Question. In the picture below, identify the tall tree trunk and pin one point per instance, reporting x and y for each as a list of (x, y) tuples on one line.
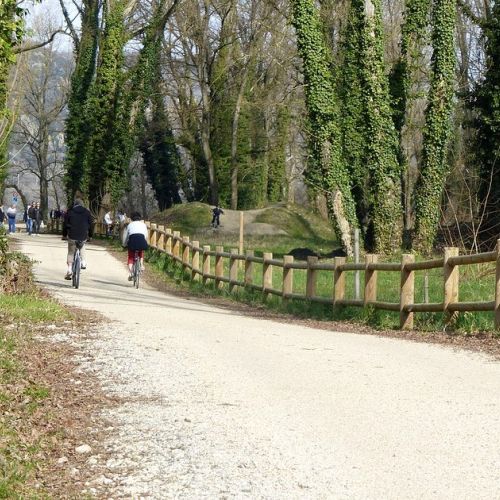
[(438, 126), (327, 174)]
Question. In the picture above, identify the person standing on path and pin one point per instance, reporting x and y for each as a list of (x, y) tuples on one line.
[(108, 220), (11, 218), (30, 218), (2, 216), (38, 218), (78, 226)]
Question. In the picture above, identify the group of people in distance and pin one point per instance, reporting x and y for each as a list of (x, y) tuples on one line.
[(79, 226), (32, 217)]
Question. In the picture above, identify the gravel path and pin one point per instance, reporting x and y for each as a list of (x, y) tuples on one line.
[(217, 405)]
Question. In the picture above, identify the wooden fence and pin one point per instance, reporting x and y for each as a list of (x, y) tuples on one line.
[(196, 260)]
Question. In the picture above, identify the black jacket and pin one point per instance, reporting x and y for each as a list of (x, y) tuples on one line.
[(78, 224)]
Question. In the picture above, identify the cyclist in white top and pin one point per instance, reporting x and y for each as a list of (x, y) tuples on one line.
[(135, 238)]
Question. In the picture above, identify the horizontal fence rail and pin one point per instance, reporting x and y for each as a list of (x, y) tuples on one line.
[(179, 249), (196, 260)]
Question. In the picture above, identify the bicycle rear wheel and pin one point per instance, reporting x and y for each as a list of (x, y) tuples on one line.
[(76, 269), (137, 273)]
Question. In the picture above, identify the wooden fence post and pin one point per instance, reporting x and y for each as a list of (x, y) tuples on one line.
[(497, 289), (206, 264), (176, 245), (168, 242), (267, 274), (185, 253), (370, 279), (451, 278), (311, 277), (407, 292), (195, 264), (153, 235), (287, 277), (338, 280), (249, 268), (219, 267), (160, 243), (233, 269)]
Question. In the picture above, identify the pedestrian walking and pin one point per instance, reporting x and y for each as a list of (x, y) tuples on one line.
[(11, 218)]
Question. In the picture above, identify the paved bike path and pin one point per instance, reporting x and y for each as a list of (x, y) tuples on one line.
[(218, 405)]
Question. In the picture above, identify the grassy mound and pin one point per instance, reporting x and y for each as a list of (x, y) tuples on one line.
[(294, 227)]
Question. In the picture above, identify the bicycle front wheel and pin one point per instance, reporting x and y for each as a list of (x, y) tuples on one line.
[(76, 269)]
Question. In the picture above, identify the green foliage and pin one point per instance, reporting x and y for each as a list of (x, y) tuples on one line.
[(438, 126), (327, 171), (162, 161), (487, 106), (11, 34), (369, 138), (77, 131), (109, 147)]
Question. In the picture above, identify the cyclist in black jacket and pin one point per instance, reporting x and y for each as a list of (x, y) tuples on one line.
[(78, 226)]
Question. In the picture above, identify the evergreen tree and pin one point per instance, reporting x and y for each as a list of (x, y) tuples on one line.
[(77, 130), (487, 105), (162, 161)]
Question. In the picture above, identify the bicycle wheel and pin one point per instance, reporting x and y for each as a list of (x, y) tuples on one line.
[(76, 269), (137, 272)]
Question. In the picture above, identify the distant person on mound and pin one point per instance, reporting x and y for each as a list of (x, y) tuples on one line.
[(216, 213), (135, 238)]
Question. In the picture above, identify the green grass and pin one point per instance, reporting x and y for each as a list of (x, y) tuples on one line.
[(303, 228), (31, 307), (20, 398), (477, 285)]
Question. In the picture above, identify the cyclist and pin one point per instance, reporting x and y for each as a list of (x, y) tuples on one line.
[(135, 238), (78, 226), (216, 213)]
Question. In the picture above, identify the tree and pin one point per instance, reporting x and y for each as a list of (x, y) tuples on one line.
[(44, 76), (487, 106), (77, 131), (438, 126), (327, 173), (11, 34)]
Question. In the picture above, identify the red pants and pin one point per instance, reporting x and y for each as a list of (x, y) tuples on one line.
[(131, 255)]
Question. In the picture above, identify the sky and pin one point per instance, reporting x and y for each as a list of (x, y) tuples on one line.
[(50, 9)]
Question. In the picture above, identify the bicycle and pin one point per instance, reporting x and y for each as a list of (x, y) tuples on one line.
[(136, 269), (77, 264)]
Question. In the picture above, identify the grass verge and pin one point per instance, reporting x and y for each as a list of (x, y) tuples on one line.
[(465, 323)]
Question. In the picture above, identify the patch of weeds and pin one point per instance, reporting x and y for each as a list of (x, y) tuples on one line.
[(31, 307)]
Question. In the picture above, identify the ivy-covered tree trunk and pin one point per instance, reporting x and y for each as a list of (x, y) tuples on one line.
[(370, 144), (327, 172), (105, 170), (382, 145), (77, 131), (487, 104), (409, 89), (438, 126)]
